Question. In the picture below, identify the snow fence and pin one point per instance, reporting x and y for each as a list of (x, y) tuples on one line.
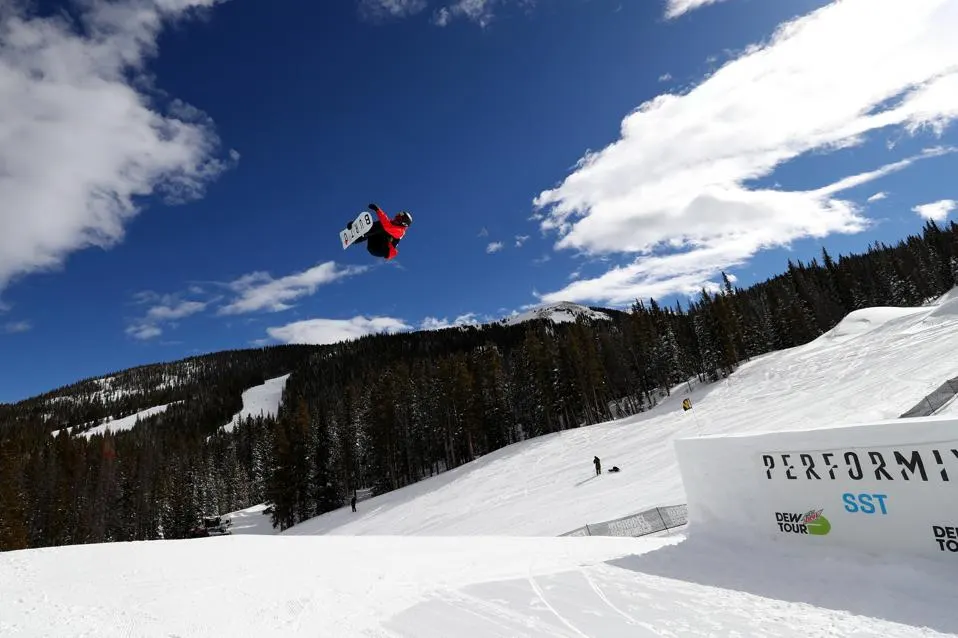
[(658, 519), (934, 401), (884, 487)]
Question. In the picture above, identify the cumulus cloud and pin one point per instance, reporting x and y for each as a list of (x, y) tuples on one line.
[(328, 331), (163, 309), (675, 8), (677, 189), (494, 247), (878, 196), (81, 135), (936, 211), (665, 77), (521, 239), (258, 291)]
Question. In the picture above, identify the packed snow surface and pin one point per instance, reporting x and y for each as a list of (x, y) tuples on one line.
[(260, 400), (252, 520), (455, 555), (483, 587)]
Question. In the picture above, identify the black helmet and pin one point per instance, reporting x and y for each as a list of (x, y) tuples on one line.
[(403, 217)]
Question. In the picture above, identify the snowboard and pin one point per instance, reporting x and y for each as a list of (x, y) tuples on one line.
[(360, 226)]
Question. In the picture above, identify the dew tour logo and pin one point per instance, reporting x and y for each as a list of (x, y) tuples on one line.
[(946, 537), (811, 522), (926, 465)]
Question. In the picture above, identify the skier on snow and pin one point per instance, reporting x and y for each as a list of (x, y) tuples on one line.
[(385, 234)]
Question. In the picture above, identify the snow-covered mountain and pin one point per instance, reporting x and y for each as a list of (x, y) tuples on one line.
[(473, 552), (559, 312)]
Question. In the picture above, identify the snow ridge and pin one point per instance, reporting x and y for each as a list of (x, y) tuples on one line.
[(559, 312)]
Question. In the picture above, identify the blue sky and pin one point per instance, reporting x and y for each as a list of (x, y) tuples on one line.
[(173, 181)]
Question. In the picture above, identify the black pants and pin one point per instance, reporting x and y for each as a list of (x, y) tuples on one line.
[(377, 241)]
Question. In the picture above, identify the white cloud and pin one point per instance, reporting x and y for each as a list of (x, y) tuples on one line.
[(478, 11), (165, 309), (15, 327), (937, 211), (80, 135), (144, 331), (327, 331), (432, 323), (878, 196), (822, 82), (675, 8), (665, 77), (864, 178), (494, 247), (379, 9), (521, 239), (258, 291)]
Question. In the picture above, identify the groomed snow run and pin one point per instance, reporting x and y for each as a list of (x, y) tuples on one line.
[(260, 400), (119, 425)]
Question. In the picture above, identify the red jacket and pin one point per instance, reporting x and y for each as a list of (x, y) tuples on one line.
[(393, 230)]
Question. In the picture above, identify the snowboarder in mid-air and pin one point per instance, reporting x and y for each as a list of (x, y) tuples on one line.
[(385, 234)]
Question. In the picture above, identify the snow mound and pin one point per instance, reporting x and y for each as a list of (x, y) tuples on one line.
[(951, 295), (560, 312), (944, 312), (860, 322), (260, 400)]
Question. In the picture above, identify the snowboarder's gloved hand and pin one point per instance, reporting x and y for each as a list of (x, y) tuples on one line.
[(374, 207)]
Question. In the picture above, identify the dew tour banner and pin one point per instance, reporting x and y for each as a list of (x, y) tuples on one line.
[(885, 487)]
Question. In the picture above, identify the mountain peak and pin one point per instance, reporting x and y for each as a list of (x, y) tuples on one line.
[(558, 312)]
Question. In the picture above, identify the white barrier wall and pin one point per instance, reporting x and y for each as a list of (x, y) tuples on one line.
[(890, 486)]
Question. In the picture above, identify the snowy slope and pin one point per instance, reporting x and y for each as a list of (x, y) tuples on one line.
[(114, 388), (119, 425), (251, 520), (560, 312), (446, 557), (874, 365), (260, 400)]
